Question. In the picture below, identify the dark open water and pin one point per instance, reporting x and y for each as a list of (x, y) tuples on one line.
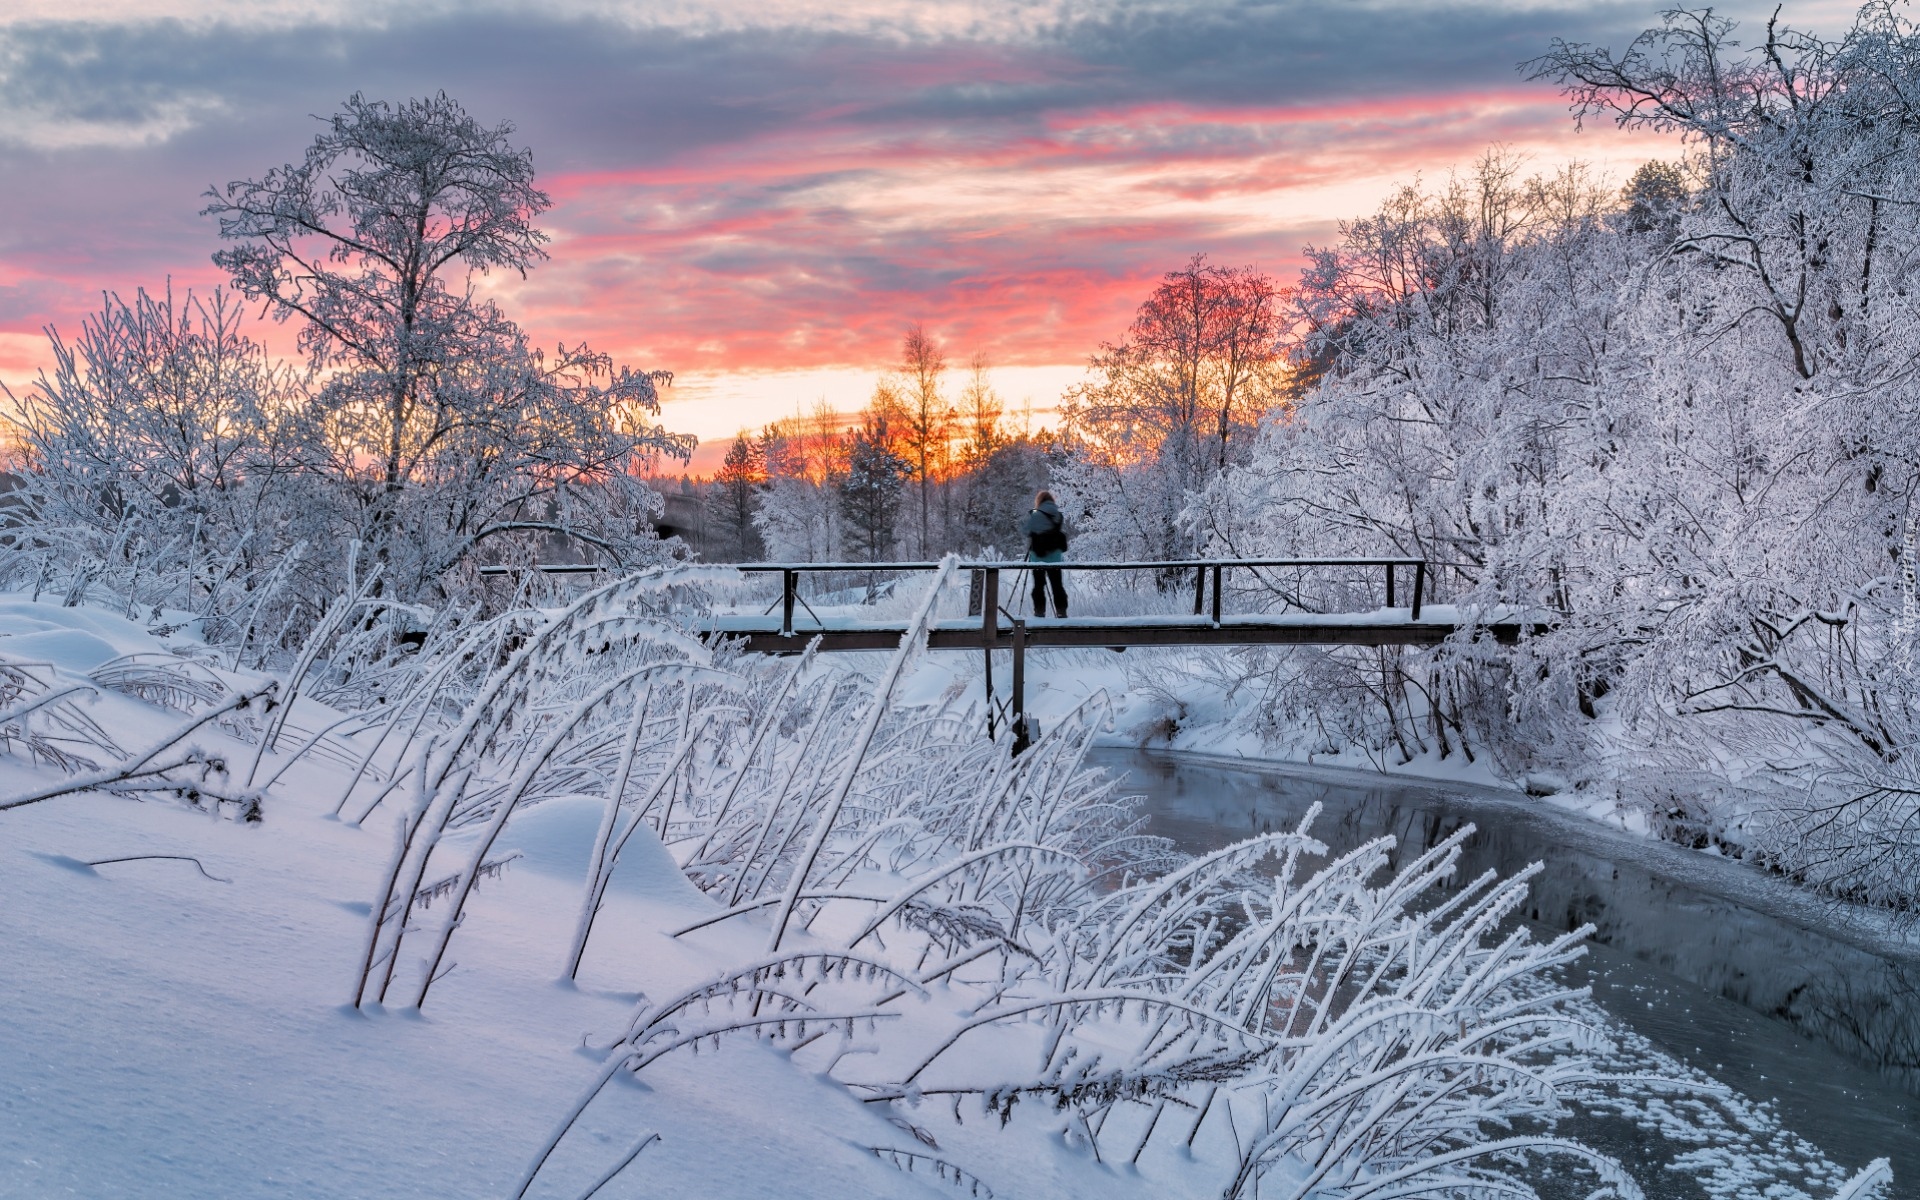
[(1773, 993)]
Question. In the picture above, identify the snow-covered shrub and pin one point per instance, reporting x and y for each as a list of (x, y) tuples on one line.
[(579, 694), (55, 739), (988, 930), (153, 472)]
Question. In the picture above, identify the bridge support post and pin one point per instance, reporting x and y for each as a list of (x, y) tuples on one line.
[(1019, 698), (989, 611), (986, 671)]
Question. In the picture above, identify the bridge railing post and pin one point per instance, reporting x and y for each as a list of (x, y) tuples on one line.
[(976, 591), (789, 584), (1419, 586), (1219, 576), (989, 580), (1389, 585), (1199, 589)]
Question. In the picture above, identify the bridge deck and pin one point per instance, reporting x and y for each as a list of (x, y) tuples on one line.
[(1382, 627), (797, 624)]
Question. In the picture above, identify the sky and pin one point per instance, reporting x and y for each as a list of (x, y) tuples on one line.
[(761, 197)]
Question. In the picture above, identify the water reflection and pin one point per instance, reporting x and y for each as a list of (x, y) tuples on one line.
[(1691, 953)]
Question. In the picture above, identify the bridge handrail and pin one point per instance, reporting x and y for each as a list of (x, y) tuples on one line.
[(984, 600), (986, 577), (1007, 565), (1076, 565)]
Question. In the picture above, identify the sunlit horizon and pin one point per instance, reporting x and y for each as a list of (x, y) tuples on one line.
[(762, 202)]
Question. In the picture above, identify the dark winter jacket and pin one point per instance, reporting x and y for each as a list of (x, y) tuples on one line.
[(1046, 533)]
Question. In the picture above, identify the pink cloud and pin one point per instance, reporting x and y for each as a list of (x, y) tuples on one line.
[(813, 246), (963, 185)]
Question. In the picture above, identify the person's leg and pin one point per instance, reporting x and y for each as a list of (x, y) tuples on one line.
[(1039, 591), (1057, 579)]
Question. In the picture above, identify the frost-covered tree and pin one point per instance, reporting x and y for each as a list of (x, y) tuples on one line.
[(1655, 198), (445, 435), (805, 457), (154, 460), (1676, 422)]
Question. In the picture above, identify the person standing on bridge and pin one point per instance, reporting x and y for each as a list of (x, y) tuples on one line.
[(1046, 532)]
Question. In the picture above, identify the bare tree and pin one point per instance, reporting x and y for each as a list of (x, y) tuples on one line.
[(981, 412), (1171, 402), (926, 422)]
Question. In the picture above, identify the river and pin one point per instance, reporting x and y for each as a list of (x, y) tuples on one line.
[(1777, 995)]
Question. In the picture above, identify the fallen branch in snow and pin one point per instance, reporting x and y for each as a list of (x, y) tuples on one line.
[(1869, 1183), (142, 765), (623, 1164), (909, 1160), (101, 862)]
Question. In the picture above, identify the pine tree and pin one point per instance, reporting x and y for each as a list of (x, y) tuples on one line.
[(870, 493), (741, 479)]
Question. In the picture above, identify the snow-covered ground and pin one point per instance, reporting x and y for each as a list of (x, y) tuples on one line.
[(169, 1034), (176, 1013), (176, 1023)]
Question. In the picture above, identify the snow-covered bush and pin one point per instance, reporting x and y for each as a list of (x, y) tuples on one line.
[(135, 725), (1678, 424), (939, 923), (154, 468)]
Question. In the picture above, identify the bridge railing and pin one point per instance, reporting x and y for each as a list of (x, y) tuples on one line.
[(1210, 577)]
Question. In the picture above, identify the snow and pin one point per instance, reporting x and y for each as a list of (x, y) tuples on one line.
[(77, 639), (168, 1034), (176, 1023), (555, 839), (188, 1038), (857, 617)]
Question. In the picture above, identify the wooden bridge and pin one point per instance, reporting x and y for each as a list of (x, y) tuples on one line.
[(991, 625)]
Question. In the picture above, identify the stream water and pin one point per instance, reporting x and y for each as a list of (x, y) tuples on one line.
[(1741, 976)]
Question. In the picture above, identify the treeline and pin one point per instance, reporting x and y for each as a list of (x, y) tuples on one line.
[(925, 468)]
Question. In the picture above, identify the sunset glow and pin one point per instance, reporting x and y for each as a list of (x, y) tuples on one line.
[(762, 203)]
